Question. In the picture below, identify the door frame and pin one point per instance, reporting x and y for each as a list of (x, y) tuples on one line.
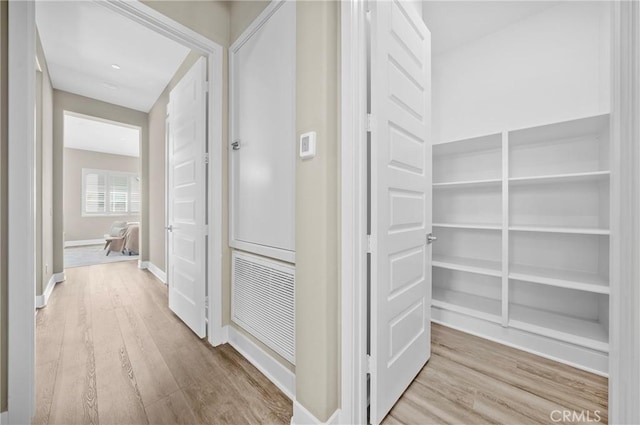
[(624, 331), (624, 297), (21, 186), (353, 214)]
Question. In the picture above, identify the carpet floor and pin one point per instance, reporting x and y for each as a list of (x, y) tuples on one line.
[(89, 255)]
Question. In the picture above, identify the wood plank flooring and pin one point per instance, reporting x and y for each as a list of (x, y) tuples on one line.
[(109, 351), (470, 380)]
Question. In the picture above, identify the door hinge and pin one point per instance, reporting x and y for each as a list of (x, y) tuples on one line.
[(205, 230), (206, 302), (370, 244), (206, 157), (369, 123), (369, 366)]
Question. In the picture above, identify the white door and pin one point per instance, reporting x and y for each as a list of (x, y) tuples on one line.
[(400, 201), (186, 196)]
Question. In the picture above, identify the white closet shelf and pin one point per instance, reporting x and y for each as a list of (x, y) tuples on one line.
[(555, 133), (560, 229), (469, 304), (472, 265), (468, 183), (487, 143), (569, 279), (587, 333), (560, 178), (469, 226)]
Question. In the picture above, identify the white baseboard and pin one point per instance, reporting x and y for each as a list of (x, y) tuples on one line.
[(550, 348), (281, 377), (301, 416), (84, 242), (4, 418), (42, 300), (225, 334), (155, 270)]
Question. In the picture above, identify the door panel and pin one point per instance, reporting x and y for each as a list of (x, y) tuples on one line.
[(263, 82), (186, 196), (401, 201)]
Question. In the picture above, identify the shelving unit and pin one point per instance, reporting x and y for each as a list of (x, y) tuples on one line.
[(472, 294), (523, 225)]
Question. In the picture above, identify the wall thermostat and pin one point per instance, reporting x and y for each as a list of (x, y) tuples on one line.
[(308, 145)]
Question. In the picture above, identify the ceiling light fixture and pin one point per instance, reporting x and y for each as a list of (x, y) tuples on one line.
[(115, 66)]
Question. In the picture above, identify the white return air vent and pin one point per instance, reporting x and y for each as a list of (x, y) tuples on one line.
[(263, 301)]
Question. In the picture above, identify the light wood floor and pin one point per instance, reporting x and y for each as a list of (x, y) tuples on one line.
[(110, 351), (470, 380)]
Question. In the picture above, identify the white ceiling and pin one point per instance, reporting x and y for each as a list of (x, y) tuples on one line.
[(100, 136), (81, 41), (454, 23)]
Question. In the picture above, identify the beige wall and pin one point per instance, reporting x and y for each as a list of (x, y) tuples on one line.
[(77, 227), (242, 13), (44, 186), (317, 202), (3, 204), (206, 17), (63, 101), (317, 193)]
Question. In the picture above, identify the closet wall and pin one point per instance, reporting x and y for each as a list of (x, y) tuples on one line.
[(551, 66), (521, 183)]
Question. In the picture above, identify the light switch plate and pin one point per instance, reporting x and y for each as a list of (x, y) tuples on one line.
[(308, 145)]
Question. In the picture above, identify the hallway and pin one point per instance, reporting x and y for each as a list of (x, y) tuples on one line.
[(110, 351)]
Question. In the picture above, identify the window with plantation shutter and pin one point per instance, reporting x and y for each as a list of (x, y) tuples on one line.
[(134, 185), (95, 193), (118, 194), (110, 193)]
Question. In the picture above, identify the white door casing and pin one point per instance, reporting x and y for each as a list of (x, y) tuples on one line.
[(400, 201), (187, 198)]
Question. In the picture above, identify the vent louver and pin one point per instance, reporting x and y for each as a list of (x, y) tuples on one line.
[(263, 301)]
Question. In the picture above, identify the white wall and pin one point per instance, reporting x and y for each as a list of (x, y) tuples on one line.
[(551, 66)]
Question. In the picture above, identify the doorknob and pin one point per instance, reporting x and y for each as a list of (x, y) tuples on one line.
[(431, 238), (236, 145), (169, 228)]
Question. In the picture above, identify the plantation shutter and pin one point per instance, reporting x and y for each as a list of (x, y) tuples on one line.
[(95, 195), (119, 194), (134, 185)]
